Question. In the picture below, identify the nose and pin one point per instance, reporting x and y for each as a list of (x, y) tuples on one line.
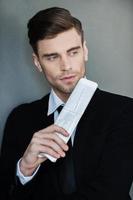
[(65, 63)]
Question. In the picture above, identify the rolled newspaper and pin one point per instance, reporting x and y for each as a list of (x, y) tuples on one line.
[(74, 109)]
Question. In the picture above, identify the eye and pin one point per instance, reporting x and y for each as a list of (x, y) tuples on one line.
[(52, 57), (73, 53)]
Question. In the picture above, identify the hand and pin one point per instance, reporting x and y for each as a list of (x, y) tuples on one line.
[(46, 141)]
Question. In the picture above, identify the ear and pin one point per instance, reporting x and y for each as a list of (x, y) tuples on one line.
[(36, 62), (85, 51)]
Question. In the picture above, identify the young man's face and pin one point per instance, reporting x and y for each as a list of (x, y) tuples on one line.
[(62, 59)]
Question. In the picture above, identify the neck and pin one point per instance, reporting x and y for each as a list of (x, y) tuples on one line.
[(63, 96)]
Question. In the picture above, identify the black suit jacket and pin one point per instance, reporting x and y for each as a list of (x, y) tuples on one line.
[(102, 151)]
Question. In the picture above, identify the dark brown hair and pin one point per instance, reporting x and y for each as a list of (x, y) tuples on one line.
[(50, 22)]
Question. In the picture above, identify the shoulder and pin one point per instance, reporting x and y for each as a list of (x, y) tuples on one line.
[(108, 98), (107, 104), (30, 109)]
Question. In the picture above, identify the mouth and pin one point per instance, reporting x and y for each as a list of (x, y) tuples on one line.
[(68, 78), (71, 76)]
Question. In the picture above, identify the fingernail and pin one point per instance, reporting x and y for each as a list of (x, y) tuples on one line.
[(66, 148), (63, 154), (67, 134), (58, 156)]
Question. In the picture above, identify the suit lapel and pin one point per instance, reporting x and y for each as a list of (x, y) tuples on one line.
[(85, 121), (82, 148), (46, 120)]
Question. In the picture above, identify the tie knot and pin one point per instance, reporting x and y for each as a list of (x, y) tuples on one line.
[(59, 108)]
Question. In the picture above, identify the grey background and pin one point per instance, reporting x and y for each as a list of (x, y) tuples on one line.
[(108, 26)]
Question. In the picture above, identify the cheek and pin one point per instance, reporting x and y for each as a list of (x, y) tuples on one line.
[(79, 65), (47, 69), (49, 74)]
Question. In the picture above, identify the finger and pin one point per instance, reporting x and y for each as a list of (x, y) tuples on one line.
[(54, 128), (53, 141), (50, 139), (32, 154), (50, 151), (56, 147)]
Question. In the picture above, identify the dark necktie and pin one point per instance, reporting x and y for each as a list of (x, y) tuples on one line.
[(66, 169)]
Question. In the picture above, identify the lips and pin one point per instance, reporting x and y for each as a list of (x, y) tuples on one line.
[(67, 77)]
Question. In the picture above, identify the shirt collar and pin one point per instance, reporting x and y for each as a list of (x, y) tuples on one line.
[(54, 102)]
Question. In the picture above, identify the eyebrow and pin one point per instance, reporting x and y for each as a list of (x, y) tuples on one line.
[(49, 54), (73, 48), (55, 53)]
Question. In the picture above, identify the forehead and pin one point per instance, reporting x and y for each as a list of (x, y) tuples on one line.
[(62, 42)]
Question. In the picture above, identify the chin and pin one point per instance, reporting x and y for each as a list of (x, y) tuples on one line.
[(68, 90)]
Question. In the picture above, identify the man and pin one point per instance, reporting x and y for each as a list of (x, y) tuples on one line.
[(102, 152)]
